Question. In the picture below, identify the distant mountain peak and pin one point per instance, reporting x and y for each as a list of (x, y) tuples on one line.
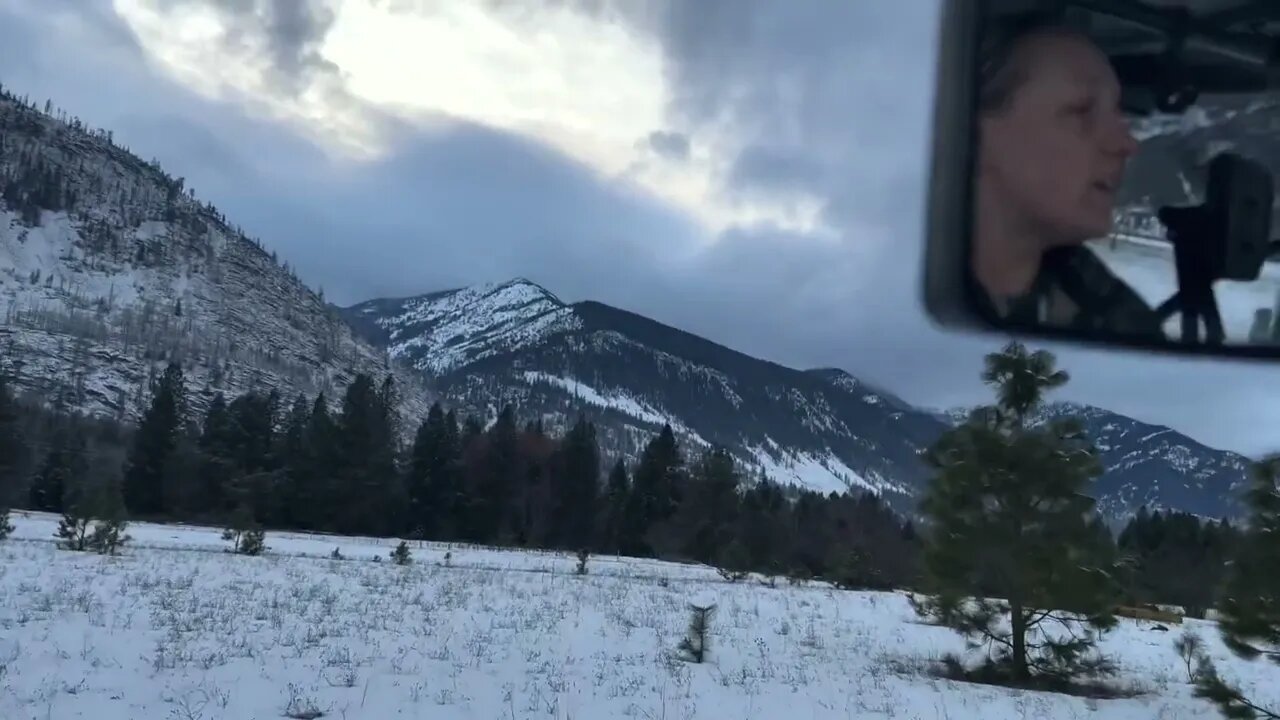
[(441, 331)]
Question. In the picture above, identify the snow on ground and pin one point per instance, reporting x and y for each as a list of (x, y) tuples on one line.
[(175, 628), (1147, 266)]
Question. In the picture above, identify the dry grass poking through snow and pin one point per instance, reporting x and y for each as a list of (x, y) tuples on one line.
[(164, 632)]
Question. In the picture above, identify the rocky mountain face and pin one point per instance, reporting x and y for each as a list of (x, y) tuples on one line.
[(517, 343), (110, 268)]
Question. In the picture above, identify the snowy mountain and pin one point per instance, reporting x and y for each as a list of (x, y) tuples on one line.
[(1151, 465), (110, 268), (516, 342), (823, 429)]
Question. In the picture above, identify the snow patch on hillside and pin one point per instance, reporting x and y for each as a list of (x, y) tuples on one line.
[(822, 473), (617, 400)]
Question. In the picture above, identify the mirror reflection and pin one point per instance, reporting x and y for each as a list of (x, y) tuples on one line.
[(1122, 192)]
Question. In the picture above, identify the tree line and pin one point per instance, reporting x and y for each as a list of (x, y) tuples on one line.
[(313, 465)]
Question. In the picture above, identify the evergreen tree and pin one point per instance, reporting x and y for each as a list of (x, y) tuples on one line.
[(575, 487), (244, 532), (154, 444), (401, 555), (13, 447), (318, 470), (1250, 605), (295, 493), (109, 529), (496, 477), (704, 523), (64, 466), (77, 518), (217, 454), (1175, 558), (1009, 519), (432, 477), (367, 477), (6, 524), (655, 492), (615, 503)]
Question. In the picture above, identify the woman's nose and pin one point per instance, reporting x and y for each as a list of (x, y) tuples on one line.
[(1120, 139)]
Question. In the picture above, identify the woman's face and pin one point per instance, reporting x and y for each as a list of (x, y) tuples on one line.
[(1055, 154)]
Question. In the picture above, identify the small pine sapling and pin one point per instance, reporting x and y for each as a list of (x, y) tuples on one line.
[(448, 559), (245, 534), (401, 555), (6, 525), (73, 528), (336, 554), (583, 555), (109, 530), (695, 645)]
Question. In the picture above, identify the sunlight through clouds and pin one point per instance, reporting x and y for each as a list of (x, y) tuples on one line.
[(199, 45), (591, 86)]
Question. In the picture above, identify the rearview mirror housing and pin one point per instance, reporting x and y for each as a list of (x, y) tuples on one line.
[(1188, 270)]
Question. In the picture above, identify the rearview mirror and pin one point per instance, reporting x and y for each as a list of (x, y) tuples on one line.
[(1102, 173)]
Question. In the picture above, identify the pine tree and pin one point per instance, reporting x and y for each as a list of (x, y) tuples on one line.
[(13, 447), (432, 476), (64, 466), (109, 529), (77, 517), (401, 555), (154, 443), (655, 492), (1009, 519), (6, 525), (497, 476), (575, 487), (294, 492), (615, 503), (696, 643), (1250, 605), (367, 481), (317, 472), (704, 523), (217, 455), (244, 532)]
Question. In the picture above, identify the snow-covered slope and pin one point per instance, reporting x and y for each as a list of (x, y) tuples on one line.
[(109, 269)]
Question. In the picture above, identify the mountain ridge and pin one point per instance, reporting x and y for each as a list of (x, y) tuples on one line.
[(823, 428)]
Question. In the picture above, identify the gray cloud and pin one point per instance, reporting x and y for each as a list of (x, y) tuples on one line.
[(828, 98), (672, 145)]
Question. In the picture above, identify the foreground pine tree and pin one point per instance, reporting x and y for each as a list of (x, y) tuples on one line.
[(1250, 604), (246, 535), (1010, 519), (401, 555), (74, 527), (696, 643), (109, 529)]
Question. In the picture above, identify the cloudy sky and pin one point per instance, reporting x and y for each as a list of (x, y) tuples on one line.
[(749, 170)]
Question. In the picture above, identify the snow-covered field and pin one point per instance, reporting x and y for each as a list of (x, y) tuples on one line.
[(176, 628)]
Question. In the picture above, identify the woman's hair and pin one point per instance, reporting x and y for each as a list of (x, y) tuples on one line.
[(999, 75)]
